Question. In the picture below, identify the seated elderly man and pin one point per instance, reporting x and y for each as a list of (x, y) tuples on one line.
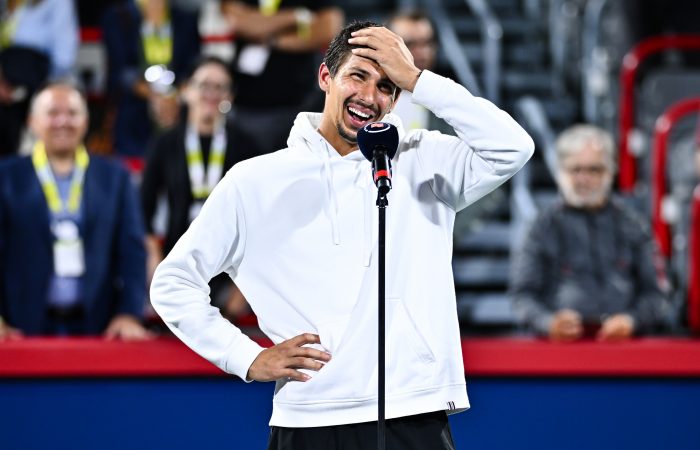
[(588, 265)]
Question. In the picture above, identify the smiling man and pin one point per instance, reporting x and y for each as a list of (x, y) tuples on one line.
[(72, 258), (296, 230)]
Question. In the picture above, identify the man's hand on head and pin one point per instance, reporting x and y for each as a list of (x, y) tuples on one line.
[(389, 51), (283, 360)]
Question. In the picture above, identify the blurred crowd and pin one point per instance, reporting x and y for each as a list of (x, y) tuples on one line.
[(96, 187)]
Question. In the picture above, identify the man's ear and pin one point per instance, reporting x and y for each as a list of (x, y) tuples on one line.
[(324, 78)]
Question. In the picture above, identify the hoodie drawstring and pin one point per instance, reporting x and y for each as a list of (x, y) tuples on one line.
[(331, 195), (367, 240)]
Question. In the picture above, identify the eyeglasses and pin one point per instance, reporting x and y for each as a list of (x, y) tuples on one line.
[(215, 88), (596, 170)]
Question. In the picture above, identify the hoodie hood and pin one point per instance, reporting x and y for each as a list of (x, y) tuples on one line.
[(305, 135)]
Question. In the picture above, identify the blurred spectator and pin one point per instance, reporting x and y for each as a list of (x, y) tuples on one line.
[(90, 11), (186, 163), (71, 235), (217, 38), (588, 264), (416, 30), (279, 45), (38, 41), (150, 45), (697, 153)]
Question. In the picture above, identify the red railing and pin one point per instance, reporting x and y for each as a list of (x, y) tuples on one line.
[(500, 357), (694, 265), (93, 35), (662, 130), (630, 66), (218, 38)]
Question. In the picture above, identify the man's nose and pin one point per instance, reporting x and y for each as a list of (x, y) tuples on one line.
[(368, 92), (61, 120)]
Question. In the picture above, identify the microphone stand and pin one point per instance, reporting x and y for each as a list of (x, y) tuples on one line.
[(382, 203)]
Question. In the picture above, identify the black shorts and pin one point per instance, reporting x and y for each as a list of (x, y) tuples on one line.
[(429, 431)]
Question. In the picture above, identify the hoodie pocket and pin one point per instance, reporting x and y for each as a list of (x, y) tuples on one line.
[(331, 333), (402, 329)]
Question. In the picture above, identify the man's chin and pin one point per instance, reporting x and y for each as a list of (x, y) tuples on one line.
[(348, 136), (586, 201)]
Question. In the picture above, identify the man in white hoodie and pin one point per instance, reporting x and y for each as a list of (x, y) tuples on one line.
[(296, 231)]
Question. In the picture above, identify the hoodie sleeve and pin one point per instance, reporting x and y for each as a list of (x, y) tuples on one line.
[(489, 148), (214, 242)]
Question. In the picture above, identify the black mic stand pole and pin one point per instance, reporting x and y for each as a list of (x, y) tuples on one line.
[(382, 203)]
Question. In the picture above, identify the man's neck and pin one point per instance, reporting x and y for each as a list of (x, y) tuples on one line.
[(62, 162), (340, 145), (154, 15), (204, 125)]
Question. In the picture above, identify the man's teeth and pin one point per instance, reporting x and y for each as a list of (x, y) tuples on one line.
[(356, 112)]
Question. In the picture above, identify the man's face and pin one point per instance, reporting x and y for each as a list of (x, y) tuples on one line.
[(210, 85), (59, 119), (358, 94), (585, 178), (419, 38)]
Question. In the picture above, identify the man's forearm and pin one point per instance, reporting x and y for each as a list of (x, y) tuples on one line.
[(321, 29)]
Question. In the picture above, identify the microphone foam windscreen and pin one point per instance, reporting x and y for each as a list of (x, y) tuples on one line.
[(378, 135)]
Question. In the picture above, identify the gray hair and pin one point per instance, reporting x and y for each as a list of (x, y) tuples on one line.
[(65, 85), (577, 137)]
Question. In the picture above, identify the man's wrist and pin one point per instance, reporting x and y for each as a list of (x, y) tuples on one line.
[(414, 82)]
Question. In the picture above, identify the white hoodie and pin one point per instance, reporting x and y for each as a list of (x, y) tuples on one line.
[(297, 231)]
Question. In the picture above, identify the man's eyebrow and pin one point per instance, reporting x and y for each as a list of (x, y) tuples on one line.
[(365, 72), (357, 69)]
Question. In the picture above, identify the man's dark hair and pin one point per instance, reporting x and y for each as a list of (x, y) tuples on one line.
[(339, 48)]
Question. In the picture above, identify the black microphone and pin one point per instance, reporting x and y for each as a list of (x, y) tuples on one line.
[(378, 142)]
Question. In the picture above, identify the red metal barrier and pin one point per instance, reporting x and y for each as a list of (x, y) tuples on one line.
[(501, 357), (694, 266), (218, 38), (93, 35), (90, 35), (662, 131), (630, 66)]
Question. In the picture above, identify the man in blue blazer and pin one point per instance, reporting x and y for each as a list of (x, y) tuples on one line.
[(72, 257)]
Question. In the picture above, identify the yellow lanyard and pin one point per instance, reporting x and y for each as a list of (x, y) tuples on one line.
[(157, 44), (203, 180), (8, 26), (48, 182), (269, 7)]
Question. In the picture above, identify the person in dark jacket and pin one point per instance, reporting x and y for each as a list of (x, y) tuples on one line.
[(279, 45), (72, 259), (588, 264), (150, 46), (187, 161)]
